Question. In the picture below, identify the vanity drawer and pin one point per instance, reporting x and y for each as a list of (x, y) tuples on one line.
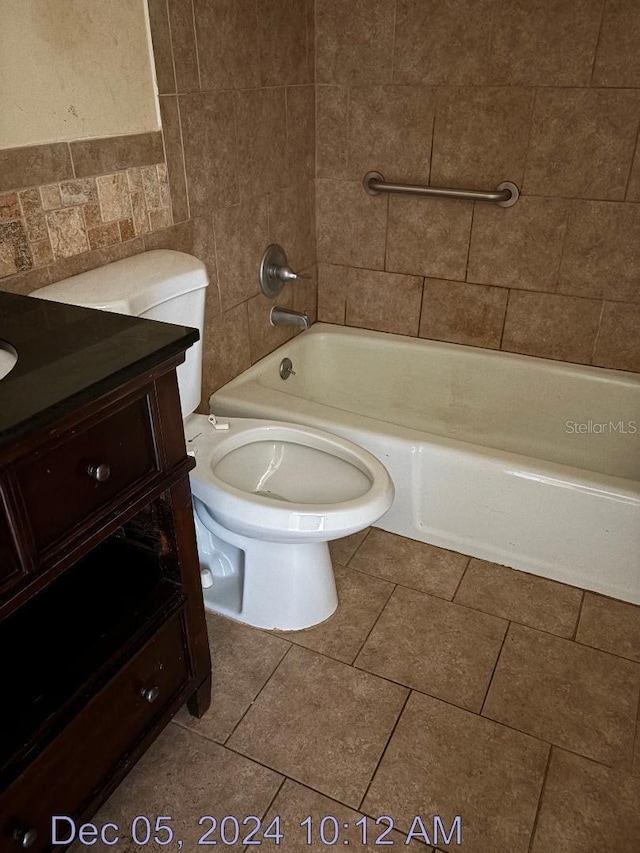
[(89, 469), (61, 781)]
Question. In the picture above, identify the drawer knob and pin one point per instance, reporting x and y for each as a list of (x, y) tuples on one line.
[(150, 694), (25, 837), (100, 473)]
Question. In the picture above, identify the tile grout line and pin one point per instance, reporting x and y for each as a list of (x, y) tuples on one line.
[(382, 754), (459, 604), (359, 545), (577, 625), (459, 584), (525, 161), (510, 287), (570, 639), (500, 723), (434, 101), (537, 86), (596, 337), (348, 129), (173, 57), (468, 258), (635, 746), (393, 41), (495, 667), (370, 631), (73, 165), (258, 694), (358, 808), (539, 630), (297, 781), (235, 751), (602, 651), (597, 44), (422, 290), (386, 233), (176, 94), (469, 607), (195, 44), (563, 245), (504, 319), (275, 796), (540, 798), (634, 157), (411, 690)]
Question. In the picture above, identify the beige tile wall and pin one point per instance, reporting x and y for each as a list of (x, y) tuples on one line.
[(237, 99), (268, 129), (470, 93)]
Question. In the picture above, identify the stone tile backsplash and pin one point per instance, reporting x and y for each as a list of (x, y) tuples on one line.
[(43, 224)]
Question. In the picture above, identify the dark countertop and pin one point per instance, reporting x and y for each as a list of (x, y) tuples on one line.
[(68, 356)]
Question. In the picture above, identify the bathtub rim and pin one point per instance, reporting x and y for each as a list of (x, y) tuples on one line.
[(585, 479), (556, 366)]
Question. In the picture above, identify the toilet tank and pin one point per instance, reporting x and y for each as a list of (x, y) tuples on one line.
[(159, 285)]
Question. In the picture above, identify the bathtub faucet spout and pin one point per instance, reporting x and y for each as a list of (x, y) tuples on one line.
[(287, 317)]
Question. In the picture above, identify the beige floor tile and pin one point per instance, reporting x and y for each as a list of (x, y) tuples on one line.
[(185, 776), (360, 601), (410, 563), (520, 597), (242, 659), (610, 625), (445, 761), (342, 550), (570, 695), (587, 808), (435, 646), (322, 723), (295, 803)]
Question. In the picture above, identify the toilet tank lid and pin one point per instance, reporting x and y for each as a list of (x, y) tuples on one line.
[(132, 285)]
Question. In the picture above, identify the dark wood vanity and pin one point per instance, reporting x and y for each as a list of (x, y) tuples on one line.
[(102, 631)]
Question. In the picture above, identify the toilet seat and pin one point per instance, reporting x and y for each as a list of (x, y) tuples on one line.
[(284, 482)]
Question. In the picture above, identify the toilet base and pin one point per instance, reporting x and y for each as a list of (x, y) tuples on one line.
[(274, 585)]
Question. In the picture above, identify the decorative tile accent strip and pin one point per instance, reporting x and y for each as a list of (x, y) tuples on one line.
[(39, 225)]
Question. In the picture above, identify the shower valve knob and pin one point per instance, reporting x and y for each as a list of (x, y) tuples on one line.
[(275, 271), (287, 274)]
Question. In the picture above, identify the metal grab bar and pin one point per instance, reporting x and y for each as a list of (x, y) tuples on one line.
[(505, 194)]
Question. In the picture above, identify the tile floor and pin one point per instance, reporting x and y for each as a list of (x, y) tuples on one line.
[(442, 686)]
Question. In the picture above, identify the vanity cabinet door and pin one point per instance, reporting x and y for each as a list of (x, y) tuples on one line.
[(10, 570)]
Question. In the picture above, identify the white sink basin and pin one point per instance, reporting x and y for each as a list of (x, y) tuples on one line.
[(8, 358)]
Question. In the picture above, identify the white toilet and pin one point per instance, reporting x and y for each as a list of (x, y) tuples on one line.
[(268, 496)]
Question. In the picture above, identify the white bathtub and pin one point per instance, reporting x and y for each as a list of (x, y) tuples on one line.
[(523, 461)]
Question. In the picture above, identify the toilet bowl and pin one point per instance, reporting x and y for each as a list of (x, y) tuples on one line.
[(268, 496)]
